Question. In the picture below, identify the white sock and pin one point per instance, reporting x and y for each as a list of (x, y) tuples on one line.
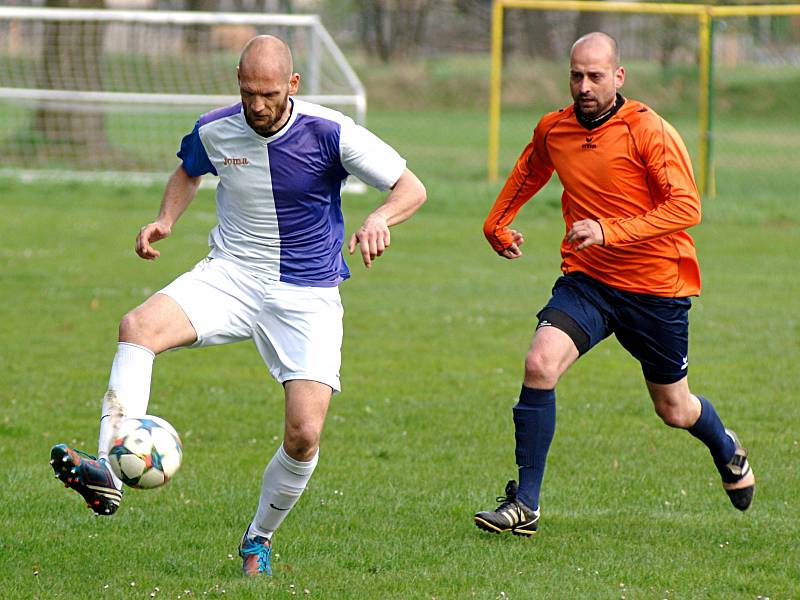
[(128, 391), (284, 481)]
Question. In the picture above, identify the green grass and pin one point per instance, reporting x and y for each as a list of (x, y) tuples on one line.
[(421, 436)]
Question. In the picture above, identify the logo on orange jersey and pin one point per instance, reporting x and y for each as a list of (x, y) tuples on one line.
[(235, 161), (588, 145)]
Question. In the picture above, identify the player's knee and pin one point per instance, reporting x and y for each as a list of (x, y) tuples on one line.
[(540, 372), (130, 327), (674, 414), (135, 328), (301, 441)]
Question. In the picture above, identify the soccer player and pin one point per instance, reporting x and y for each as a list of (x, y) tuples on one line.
[(629, 268), (272, 274)]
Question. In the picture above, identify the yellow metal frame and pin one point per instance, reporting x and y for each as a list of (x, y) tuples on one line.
[(705, 177), (705, 14)]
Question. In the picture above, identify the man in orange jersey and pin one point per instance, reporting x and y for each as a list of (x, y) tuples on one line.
[(629, 268)]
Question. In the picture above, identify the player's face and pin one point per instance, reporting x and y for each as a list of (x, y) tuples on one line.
[(265, 98), (594, 79)]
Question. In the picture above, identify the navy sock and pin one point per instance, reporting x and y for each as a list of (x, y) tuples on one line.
[(535, 424), (710, 430)]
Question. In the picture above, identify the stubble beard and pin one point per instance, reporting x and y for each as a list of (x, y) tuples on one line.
[(596, 111), (269, 127)]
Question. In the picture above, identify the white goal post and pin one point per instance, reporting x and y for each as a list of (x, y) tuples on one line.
[(107, 92)]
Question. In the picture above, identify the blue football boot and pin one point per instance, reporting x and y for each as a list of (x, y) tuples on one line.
[(255, 553)]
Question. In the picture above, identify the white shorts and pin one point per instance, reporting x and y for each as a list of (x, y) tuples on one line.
[(297, 329)]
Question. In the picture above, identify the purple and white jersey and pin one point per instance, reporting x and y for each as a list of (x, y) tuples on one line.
[(279, 197)]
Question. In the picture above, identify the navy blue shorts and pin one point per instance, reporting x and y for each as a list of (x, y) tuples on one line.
[(653, 329)]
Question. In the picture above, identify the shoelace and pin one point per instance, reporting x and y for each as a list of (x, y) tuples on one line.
[(84, 454), (506, 502), (262, 552)]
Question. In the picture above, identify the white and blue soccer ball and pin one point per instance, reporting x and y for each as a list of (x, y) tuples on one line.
[(146, 452)]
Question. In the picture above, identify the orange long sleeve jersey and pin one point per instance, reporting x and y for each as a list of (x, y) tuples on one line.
[(633, 175)]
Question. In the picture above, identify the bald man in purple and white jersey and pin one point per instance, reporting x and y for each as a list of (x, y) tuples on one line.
[(272, 274)]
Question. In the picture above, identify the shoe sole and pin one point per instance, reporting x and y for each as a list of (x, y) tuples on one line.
[(65, 468), (742, 497), (486, 526)]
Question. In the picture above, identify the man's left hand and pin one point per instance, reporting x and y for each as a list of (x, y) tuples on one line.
[(585, 233), (372, 237)]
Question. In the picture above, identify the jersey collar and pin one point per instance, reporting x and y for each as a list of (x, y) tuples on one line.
[(598, 121)]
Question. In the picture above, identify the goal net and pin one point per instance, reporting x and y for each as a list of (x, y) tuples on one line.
[(108, 92)]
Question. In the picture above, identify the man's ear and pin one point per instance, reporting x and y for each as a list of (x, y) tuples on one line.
[(619, 77), (294, 83)]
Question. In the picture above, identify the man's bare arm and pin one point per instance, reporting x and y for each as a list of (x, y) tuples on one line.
[(180, 191)]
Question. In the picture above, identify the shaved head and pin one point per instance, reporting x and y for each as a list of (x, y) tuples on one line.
[(266, 54), (266, 80), (598, 43)]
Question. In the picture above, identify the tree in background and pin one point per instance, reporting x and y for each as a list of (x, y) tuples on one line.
[(539, 41), (588, 22), (393, 28), (72, 52)]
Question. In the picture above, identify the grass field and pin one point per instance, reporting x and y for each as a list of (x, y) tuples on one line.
[(421, 436)]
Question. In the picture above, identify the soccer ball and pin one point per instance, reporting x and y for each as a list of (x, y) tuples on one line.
[(146, 452)]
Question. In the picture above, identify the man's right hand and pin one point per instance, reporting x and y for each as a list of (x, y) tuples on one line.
[(150, 234), (513, 250)]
